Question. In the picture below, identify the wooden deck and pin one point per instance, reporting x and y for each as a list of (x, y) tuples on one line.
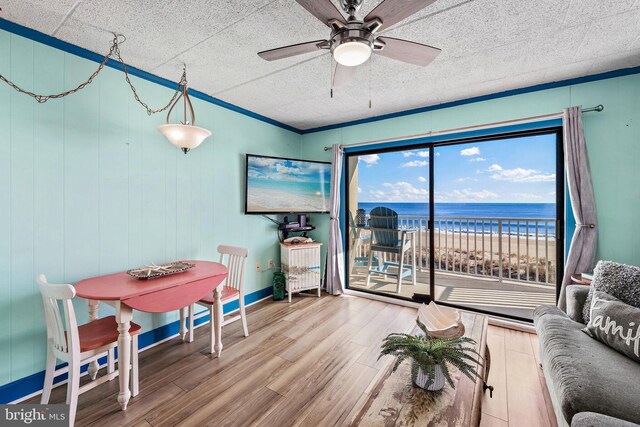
[(507, 297), (309, 363)]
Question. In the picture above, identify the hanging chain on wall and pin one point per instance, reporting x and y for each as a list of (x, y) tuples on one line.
[(114, 52)]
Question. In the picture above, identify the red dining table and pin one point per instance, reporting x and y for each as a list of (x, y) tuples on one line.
[(159, 295)]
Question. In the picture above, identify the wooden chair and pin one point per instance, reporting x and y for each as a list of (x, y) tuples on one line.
[(387, 237), (357, 239), (233, 289), (78, 345)]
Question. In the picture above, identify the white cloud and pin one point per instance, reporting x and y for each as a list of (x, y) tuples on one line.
[(473, 151), (467, 179), (415, 164), (523, 175), (466, 195), (478, 159), (494, 167), (359, 190), (263, 162), (552, 193), (370, 159), (399, 192), (423, 154), (527, 196), (280, 168), (422, 179)]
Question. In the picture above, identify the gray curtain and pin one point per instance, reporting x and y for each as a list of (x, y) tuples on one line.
[(582, 251), (335, 255)]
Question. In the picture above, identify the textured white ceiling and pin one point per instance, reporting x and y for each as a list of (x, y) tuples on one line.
[(487, 46)]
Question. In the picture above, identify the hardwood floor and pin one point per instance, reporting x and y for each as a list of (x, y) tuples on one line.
[(311, 363), (520, 397)]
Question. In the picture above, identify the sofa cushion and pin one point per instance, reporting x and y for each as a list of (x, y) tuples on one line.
[(615, 324), (584, 375), (620, 280), (576, 297), (591, 419)]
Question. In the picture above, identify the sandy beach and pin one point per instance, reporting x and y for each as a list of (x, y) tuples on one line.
[(267, 200)]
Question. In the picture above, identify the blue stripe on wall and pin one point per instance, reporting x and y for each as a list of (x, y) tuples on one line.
[(33, 383), (92, 56), (87, 54), (535, 88)]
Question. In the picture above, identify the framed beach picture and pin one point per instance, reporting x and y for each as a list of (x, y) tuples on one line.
[(277, 185)]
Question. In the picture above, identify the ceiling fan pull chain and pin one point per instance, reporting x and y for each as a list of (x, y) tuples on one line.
[(331, 75), (370, 62)]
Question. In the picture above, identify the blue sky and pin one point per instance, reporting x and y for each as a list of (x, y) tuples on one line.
[(271, 169), (517, 170)]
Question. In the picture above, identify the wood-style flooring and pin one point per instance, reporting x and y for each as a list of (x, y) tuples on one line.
[(311, 363)]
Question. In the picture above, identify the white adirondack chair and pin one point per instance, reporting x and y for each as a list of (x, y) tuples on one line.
[(78, 345), (235, 259)]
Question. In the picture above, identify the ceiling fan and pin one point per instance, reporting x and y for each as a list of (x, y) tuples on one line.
[(352, 40)]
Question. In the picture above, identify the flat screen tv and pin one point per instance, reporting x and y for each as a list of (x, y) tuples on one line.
[(276, 185)]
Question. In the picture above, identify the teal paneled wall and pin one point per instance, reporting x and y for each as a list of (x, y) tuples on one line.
[(613, 143), (88, 186)]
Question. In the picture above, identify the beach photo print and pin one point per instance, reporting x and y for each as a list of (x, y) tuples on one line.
[(277, 185)]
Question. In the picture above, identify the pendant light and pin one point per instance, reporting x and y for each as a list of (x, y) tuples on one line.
[(185, 134)]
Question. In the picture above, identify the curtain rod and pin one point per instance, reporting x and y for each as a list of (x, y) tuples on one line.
[(597, 108)]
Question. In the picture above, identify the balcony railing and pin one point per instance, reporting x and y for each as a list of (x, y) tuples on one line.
[(515, 249)]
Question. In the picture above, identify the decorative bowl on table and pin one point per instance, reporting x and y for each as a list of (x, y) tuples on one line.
[(152, 271), (441, 321)]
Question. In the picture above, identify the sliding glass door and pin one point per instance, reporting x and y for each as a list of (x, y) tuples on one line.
[(388, 213), (469, 223)]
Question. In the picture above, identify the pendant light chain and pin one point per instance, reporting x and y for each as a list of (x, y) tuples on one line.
[(114, 52)]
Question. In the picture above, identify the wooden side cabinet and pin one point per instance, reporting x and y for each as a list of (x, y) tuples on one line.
[(301, 267)]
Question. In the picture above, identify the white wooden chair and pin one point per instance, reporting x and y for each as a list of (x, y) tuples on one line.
[(78, 345), (235, 259)]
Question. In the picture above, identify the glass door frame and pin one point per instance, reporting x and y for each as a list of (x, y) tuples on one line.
[(431, 146)]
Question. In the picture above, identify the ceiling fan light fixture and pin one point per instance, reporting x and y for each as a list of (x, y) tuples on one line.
[(352, 53)]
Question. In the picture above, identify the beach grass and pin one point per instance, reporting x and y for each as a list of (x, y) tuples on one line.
[(509, 256)]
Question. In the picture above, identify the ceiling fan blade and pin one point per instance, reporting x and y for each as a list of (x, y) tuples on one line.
[(343, 75), (390, 12), (406, 51), (292, 50), (324, 10)]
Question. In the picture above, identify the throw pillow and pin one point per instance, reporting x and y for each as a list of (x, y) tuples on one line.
[(620, 280), (615, 324)]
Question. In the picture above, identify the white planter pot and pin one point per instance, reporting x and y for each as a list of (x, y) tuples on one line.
[(438, 382)]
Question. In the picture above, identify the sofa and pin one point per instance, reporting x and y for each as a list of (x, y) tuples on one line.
[(590, 384)]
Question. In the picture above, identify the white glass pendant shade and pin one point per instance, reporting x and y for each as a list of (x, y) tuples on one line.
[(184, 136), (351, 54)]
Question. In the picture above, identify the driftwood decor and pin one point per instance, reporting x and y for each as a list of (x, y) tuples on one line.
[(152, 271)]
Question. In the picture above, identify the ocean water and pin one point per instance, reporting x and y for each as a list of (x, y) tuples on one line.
[(312, 188), (482, 212)]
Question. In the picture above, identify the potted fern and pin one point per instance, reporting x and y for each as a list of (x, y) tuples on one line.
[(432, 358)]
